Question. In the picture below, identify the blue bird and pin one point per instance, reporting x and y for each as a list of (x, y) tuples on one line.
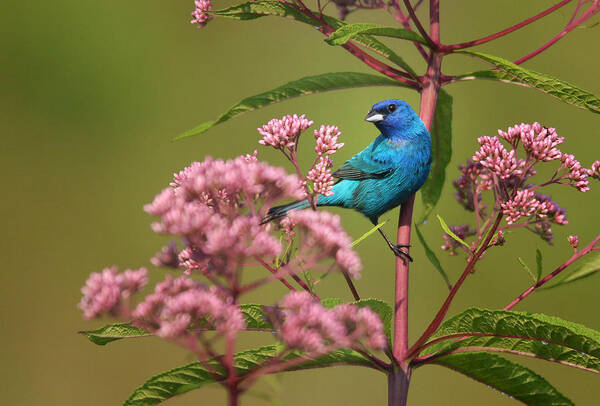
[(383, 175)]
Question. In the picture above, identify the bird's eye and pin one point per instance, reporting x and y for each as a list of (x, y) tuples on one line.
[(391, 108)]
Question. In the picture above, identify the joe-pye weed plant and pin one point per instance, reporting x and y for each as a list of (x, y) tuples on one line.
[(224, 249)]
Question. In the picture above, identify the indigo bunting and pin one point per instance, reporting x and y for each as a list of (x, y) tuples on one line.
[(383, 175)]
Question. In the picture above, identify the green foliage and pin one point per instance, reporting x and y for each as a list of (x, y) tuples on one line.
[(521, 333), (113, 332), (451, 233), (510, 378), (550, 85), (432, 257), (193, 376), (300, 87), (351, 31), (590, 266), (253, 10), (538, 263), (441, 139)]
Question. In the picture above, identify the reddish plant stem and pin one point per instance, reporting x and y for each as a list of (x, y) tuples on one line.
[(351, 285), (274, 272), (590, 12), (405, 21), (399, 377), (506, 31), (590, 247), (432, 43), (439, 317)]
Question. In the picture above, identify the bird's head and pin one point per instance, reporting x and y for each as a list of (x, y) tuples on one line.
[(392, 115)]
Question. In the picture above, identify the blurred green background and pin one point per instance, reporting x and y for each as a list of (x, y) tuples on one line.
[(92, 93)]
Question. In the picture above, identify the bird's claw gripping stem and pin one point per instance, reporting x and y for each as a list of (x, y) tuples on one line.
[(398, 251)]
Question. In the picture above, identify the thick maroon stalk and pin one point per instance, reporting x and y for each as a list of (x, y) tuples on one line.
[(399, 377)]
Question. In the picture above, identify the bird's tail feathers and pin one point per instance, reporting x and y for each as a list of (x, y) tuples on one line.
[(277, 212)]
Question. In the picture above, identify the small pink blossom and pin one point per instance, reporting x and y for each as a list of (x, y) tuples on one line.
[(573, 241), (178, 304), (310, 327), (496, 158), (324, 237), (200, 15), (103, 292), (524, 204), (576, 174), (283, 133), (321, 176), (594, 171), (326, 137)]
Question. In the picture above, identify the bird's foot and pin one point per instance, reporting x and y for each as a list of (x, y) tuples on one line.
[(399, 251)]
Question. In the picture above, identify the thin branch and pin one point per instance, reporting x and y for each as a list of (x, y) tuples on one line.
[(506, 31), (274, 272), (574, 257), (589, 13), (439, 317), (405, 21), (351, 285), (419, 26)]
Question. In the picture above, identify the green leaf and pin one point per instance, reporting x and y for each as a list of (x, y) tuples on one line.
[(441, 138), (432, 257), (350, 31), (538, 263), (589, 267), (450, 233), (562, 90), (300, 87), (529, 271), (521, 333), (507, 377), (113, 332), (368, 233), (331, 302), (192, 376), (253, 314), (498, 75), (253, 10), (383, 310)]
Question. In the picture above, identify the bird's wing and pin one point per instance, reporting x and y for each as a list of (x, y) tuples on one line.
[(359, 169)]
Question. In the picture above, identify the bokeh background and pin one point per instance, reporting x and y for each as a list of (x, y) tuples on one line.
[(92, 93)]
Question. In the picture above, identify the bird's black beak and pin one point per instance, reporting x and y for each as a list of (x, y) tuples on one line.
[(374, 116)]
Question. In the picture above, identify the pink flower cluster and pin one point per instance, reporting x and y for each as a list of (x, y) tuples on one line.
[(496, 158), (310, 327), (179, 304), (104, 292), (283, 133), (321, 177), (524, 204), (205, 205), (576, 175), (323, 237), (326, 137), (494, 167), (200, 15)]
